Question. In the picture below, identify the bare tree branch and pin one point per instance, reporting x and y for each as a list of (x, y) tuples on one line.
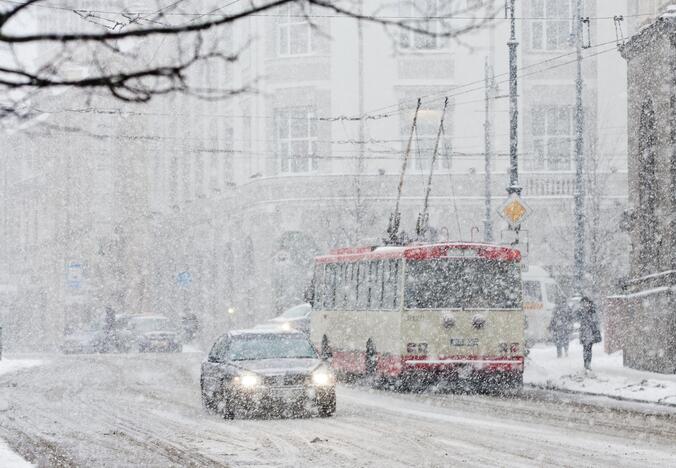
[(107, 68), (5, 17)]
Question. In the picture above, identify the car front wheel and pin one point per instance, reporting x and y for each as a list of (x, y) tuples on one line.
[(207, 402), (326, 403)]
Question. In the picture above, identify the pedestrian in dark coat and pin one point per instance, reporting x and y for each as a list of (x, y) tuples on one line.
[(590, 329), (560, 327)]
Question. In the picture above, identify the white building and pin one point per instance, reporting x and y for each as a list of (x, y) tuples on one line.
[(241, 194)]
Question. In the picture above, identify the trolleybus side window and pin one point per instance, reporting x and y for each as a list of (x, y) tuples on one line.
[(375, 285), (390, 298), (341, 286), (363, 286), (353, 286), (330, 286), (318, 287)]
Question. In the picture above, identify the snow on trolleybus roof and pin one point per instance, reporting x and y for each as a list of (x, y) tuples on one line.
[(421, 252)]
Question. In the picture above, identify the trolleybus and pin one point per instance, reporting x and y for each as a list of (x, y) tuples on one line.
[(452, 309)]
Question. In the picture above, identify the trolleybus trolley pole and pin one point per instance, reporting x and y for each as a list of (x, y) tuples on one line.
[(395, 217), (423, 218)]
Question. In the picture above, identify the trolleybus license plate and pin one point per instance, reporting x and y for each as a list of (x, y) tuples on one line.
[(464, 341)]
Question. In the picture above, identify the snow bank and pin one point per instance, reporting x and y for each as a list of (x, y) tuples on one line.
[(191, 349), (12, 365), (608, 376), (9, 459)]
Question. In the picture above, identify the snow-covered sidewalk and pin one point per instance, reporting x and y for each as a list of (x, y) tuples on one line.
[(12, 365), (608, 376), (8, 458)]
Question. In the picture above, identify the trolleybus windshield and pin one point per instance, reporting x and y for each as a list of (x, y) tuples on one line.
[(462, 283)]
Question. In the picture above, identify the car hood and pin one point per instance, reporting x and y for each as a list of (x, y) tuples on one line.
[(284, 319), (279, 366)]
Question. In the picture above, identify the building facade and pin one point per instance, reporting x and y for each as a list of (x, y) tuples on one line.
[(645, 312), (218, 208)]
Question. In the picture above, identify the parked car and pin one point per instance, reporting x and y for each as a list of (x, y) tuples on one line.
[(151, 333), (88, 340), (296, 318), (269, 371), (121, 337)]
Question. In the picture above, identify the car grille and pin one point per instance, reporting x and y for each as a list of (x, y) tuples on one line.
[(287, 380)]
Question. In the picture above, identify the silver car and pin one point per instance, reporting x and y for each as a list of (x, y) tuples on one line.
[(270, 371), (296, 318)]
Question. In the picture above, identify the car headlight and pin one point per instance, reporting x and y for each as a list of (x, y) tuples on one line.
[(247, 380), (322, 377), (286, 326)]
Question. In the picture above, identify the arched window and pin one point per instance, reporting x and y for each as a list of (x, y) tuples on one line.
[(647, 186)]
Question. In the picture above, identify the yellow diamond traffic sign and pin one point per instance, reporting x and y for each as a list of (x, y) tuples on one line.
[(514, 210)]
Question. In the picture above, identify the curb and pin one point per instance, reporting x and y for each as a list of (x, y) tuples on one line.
[(594, 394)]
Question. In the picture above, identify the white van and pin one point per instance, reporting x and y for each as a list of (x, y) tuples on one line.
[(540, 294)]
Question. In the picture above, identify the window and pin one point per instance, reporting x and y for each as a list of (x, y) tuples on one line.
[(425, 137), (375, 285), (296, 132), (294, 31), (390, 284), (450, 283), (352, 285), (330, 286), (553, 137), (270, 346), (363, 290), (342, 285), (219, 350), (532, 291), (429, 12), (552, 24)]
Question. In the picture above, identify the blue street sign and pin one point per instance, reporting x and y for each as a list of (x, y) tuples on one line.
[(184, 278)]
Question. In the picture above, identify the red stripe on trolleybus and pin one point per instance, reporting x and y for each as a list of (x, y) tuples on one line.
[(394, 365)]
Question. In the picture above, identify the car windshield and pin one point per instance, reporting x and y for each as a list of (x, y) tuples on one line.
[(151, 324), (297, 312), (270, 347), (471, 283)]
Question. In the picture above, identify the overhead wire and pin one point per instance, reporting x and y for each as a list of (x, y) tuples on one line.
[(333, 15), (372, 114)]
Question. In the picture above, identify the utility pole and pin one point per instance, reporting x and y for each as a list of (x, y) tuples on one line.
[(579, 159), (490, 87), (359, 205), (514, 187)]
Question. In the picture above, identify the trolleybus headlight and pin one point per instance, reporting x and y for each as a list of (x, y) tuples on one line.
[(322, 377), (448, 321), (478, 321), (248, 380)]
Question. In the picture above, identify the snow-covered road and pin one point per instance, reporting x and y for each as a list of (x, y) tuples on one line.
[(144, 410)]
